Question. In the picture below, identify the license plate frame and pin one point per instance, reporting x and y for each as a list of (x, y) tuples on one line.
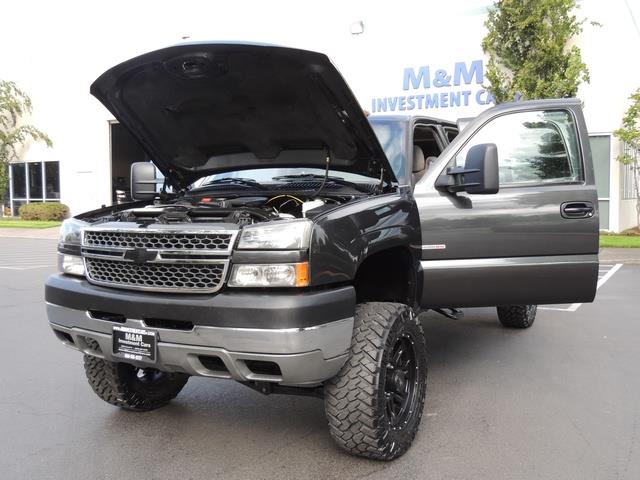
[(134, 343)]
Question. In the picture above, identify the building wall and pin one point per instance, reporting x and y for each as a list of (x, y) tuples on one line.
[(627, 215), (61, 48)]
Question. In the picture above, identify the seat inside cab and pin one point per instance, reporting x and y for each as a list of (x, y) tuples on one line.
[(426, 148)]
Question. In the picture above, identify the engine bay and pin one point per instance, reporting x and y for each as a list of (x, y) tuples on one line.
[(241, 210)]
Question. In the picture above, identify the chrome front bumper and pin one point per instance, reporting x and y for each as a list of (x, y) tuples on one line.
[(305, 356)]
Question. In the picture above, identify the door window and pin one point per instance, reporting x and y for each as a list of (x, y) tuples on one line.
[(533, 148)]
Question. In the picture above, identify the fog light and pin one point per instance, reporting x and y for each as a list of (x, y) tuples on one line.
[(70, 264)]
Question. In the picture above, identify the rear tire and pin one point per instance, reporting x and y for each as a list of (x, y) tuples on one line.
[(517, 316), (374, 404), (132, 388)]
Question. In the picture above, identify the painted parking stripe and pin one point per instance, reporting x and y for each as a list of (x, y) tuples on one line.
[(27, 267), (603, 277), (27, 255), (609, 274)]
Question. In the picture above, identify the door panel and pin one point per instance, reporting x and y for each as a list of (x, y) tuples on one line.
[(487, 282), (527, 244)]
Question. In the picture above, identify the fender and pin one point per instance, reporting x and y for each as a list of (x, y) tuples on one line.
[(344, 237)]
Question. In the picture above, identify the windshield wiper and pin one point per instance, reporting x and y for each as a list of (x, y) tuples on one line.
[(311, 177), (247, 182)]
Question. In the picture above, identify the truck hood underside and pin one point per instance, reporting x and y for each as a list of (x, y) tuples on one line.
[(202, 108)]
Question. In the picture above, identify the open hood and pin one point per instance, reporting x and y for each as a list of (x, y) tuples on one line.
[(202, 108)]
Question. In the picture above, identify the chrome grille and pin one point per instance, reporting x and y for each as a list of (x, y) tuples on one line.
[(158, 240), (194, 277), (158, 258)]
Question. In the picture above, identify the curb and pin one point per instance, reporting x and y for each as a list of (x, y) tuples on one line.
[(620, 255)]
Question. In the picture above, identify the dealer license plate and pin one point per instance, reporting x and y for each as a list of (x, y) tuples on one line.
[(134, 343)]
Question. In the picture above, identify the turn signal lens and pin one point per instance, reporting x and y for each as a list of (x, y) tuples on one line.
[(302, 274)]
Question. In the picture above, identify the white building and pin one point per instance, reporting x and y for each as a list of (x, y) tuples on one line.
[(384, 50)]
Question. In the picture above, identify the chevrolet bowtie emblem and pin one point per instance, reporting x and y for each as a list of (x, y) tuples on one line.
[(140, 255)]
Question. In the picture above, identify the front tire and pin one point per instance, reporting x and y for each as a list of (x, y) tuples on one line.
[(374, 404), (132, 388), (517, 316)]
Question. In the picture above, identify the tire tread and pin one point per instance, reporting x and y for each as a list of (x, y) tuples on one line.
[(351, 398), (517, 316), (107, 382)]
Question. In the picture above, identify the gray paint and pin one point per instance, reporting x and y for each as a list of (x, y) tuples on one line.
[(306, 356), (522, 221), (514, 280)]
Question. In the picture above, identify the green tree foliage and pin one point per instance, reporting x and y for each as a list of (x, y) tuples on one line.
[(629, 133), (530, 52), (14, 104)]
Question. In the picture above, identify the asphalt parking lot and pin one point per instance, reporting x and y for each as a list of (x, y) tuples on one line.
[(558, 401)]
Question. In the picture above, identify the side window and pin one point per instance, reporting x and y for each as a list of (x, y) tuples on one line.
[(533, 147), (426, 137), (451, 133)]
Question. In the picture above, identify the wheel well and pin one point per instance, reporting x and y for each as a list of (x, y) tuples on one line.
[(387, 276)]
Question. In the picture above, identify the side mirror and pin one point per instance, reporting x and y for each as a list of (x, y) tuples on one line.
[(143, 181), (482, 165), (479, 175)]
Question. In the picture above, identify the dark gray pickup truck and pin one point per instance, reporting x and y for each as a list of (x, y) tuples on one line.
[(294, 240)]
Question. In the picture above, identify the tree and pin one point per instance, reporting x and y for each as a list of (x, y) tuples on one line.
[(530, 55), (629, 133), (14, 105)]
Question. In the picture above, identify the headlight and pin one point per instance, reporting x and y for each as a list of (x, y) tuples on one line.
[(69, 239), (70, 232), (276, 275), (284, 235)]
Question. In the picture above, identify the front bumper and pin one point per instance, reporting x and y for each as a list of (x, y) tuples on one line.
[(305, 354)]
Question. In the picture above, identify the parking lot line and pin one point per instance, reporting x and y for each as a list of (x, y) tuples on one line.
[(27, 267), (26, 254), (605, 272), (609, 274)]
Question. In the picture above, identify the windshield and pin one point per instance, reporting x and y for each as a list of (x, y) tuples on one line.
[(392, 136), (266, 175)]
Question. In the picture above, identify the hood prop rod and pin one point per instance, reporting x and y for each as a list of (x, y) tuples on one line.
[(326, 174)]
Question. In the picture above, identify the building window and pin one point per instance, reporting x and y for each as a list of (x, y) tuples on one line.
[(52, 180), (33, 182), (628, 173), (35, 179), (601, 154), (18, 180)]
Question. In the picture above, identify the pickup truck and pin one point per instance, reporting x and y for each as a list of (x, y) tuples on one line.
[(294, 240)]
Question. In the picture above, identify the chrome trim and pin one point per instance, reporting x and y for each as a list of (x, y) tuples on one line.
[(206, 229), (121, 286), (214, 258), (333, 338), (117, 254), (507, 261), (306, 356)]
